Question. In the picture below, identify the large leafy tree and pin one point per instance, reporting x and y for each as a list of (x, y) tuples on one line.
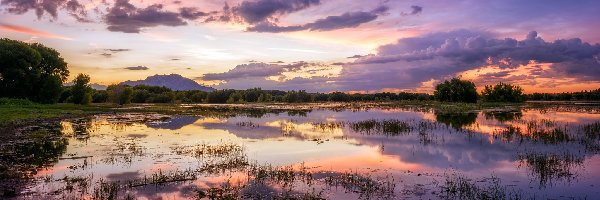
[(31, 71), (456, 90)]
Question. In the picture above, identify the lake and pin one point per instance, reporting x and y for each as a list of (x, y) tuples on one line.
[(331, 152)]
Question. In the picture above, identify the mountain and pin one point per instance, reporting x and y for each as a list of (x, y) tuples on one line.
[(94, 86), (172, 81), (98, 86)]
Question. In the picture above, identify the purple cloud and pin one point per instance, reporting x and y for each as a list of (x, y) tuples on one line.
[(191, 13), (137, 68), (261, 70), (262, 10), (51, 7), (346, 20), (409, 62), (125, 17)]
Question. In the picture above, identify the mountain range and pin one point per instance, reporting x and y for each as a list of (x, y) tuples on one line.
[(172, 81)]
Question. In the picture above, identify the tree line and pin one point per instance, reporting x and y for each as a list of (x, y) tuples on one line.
[(124, 94), (37, 73)]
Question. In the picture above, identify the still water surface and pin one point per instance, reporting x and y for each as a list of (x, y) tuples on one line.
[(409, 153)]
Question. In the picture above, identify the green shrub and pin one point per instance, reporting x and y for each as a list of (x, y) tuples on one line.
[(456, 90), (502, 92)]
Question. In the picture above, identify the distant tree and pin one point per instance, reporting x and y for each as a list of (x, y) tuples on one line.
[(339, 97), (100, 96), (502, 92), (31, 71), (140, 96), (197, 96), (126, 96), (81, 91), (236, 97), (120, 94), (593, 95), (265, 97), (219, 96), (456, 90)]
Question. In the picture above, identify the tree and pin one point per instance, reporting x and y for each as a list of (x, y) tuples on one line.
[(502, 92), (31, 71), (81, 91), (100, 96), (456, 90), (126, 96), (120, 94)]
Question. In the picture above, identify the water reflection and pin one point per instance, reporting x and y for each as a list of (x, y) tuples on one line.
[(22, 156), (456, 120), (549, 152)]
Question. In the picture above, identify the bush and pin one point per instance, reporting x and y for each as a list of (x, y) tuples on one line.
[(456, 90), (81, 91), (31, 71), (502, 92)]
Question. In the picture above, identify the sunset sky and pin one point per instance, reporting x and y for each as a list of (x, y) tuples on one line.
[(320, 45)]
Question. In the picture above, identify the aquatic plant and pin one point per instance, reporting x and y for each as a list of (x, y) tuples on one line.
[(547, 168), (460, 187), (387, 127)]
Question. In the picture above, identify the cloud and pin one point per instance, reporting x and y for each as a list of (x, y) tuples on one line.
[(263, 10), (252, 70), (137, 68), (191, 13), (125, 17), (51, 7), (25, 30), (412, 61), (117, 50), (108, 53), (356, 56), (414, 10), (346, 20), (299, 75)]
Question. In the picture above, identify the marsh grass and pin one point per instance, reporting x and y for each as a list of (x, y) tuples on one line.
[(294, 182), (365, 185), (460, 187), (548, 168), (209, 150), (387, 127)]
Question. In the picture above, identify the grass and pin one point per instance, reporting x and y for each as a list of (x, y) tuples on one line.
[(13, 111), (387, 127), (460, 187)]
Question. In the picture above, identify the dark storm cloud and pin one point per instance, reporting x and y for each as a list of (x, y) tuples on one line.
[(346, 20), (50, 7), (137, 68), (125, 17)]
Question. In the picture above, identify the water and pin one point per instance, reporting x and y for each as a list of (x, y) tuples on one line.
[(359, 153)]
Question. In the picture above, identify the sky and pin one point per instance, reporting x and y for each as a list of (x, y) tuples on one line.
[(320, 45)]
